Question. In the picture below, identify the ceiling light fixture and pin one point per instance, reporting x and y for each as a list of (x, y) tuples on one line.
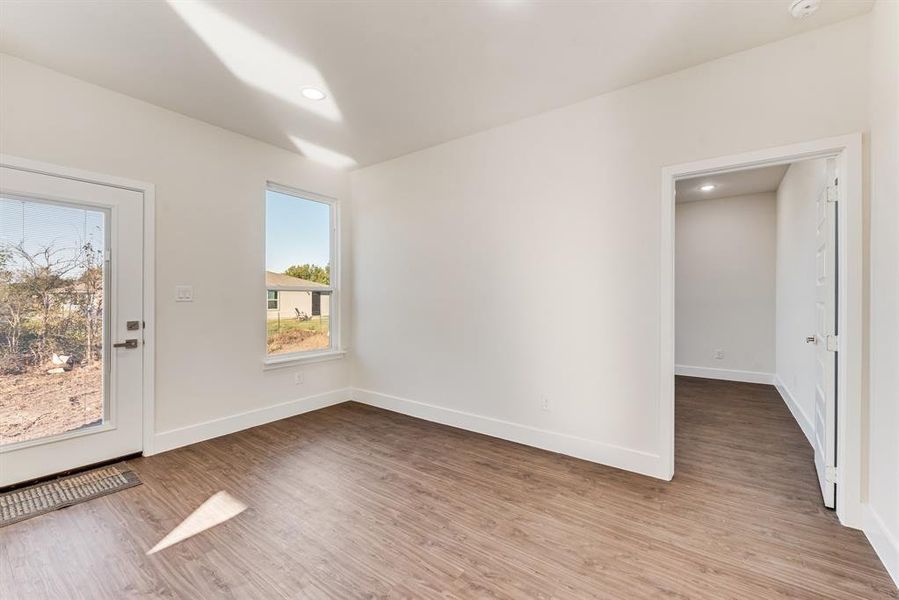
[(803, 8), (255, 60), (707, 187), (313, 93)]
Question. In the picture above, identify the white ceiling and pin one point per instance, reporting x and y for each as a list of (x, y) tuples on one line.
[(736, 183), (401, 76)]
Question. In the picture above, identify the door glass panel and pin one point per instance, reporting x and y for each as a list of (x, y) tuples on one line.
[(52, 319)]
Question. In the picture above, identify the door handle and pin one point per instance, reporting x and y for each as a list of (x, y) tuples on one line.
[(132, 343), (811, 339)]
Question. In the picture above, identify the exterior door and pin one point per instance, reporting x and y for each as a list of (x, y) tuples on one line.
[(826, 340), (71, 323)]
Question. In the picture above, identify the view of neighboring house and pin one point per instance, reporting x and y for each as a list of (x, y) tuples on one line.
[(79, 296), (292, 297)]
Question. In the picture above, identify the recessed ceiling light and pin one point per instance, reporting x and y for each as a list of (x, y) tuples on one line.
[(707, 187), (803, 8), (312, 93), (255, 60)]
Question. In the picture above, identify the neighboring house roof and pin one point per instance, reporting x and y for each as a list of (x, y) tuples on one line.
[(80, 288), (274, 281), (76, 288)]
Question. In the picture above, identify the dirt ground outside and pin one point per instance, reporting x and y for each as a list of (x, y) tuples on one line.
[(296, 336), (37, 404)]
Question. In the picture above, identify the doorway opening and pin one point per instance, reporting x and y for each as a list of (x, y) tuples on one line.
[(767, 244)]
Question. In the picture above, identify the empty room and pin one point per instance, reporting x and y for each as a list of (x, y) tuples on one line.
[(426, 299), (757, 296)]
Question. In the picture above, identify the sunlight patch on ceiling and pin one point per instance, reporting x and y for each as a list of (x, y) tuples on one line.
[(220, 507), (255, 60), (323, 155)]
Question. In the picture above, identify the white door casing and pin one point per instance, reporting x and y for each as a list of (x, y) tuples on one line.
[(849, 422), (121, 431), (826, 335)]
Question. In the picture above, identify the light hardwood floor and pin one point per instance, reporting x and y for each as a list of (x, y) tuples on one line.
[(352, 501)]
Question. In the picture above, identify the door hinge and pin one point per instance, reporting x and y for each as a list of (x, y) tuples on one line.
[(832, 194), (830, 474), (833, 343)]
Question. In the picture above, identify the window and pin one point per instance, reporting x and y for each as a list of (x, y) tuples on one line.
[(53, 319), (300, 273)]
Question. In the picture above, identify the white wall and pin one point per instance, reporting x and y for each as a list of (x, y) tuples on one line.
[(465, 241), (882, 526), (796, 246), (210, 195), (724, 287)]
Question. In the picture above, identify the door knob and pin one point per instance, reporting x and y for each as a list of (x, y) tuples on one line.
[(811, 339), (132, 343)]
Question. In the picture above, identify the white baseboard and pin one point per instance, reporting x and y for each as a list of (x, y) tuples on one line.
[(176, 438), (804, 422), (724, 374), (884, 543), (607, 454)]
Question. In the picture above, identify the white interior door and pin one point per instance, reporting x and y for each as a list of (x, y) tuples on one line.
[(71, 323), (826, 340)]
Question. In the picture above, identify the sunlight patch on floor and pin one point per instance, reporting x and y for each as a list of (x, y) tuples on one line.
[(220, 507)]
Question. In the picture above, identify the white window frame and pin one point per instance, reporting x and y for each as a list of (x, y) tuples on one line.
[(277, 300), (334, 350)]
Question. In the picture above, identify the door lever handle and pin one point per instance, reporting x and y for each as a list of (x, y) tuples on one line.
[(811, 339), (132, 343)]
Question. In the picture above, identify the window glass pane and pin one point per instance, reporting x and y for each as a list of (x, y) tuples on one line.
[(298, 246), (52, 283)]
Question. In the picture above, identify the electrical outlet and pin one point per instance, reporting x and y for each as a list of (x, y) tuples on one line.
[(184, 293), (298, 378), (719, 354), (544, 402)]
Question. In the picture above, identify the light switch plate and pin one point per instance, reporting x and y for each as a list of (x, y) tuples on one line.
[(184, 293)]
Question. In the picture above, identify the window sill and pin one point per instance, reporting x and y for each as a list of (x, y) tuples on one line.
[(279, 362)]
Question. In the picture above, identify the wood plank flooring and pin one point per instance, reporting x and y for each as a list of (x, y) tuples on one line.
[(352, 501)]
